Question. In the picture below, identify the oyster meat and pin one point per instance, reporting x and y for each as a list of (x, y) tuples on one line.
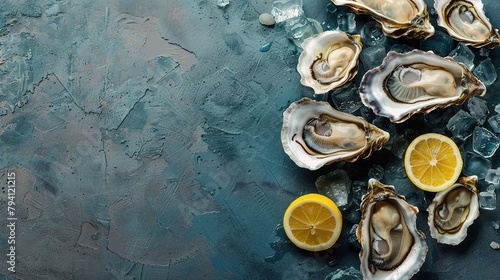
[(417, 82), (315, 134), (398, 18), (466, 21), (453, 210), (391, 245), (329, 60)]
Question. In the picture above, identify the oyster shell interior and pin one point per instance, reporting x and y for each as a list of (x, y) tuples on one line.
[(315, 134), (392, 246), (329, 60), (466, 21), (398, 17), (414, 82), (453, 210)]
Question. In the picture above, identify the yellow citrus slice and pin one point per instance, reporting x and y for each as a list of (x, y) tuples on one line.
[(313, 222), (433, 162)]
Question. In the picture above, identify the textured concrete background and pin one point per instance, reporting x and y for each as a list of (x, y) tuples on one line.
[(145, 138)]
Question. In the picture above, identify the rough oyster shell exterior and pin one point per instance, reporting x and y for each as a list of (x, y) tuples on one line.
[(417, 25), (375, 94), (463, 203), (472, 28), (299, 115), (321, 73), (417, 251)]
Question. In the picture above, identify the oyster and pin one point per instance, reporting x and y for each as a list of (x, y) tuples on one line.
[(329, 60), (315, 134), (391, 245), (398, 18), (417, 82), (453, 210), (466, 21)]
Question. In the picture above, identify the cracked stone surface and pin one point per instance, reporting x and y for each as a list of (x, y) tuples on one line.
[(145, 138)]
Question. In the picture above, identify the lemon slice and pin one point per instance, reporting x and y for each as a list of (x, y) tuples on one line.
[(313, 222), (433, 162)]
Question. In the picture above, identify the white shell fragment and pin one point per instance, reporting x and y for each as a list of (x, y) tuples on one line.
[(315, 134), (391, 245), (453, 210), (466, 21), (408, 18), (417, 82), (329, 60)]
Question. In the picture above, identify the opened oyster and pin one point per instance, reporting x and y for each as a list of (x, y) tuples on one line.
[(329, 60), (453, 210), (315, 134), (417, 82), (391, 245), (398, 18), (466, 21)]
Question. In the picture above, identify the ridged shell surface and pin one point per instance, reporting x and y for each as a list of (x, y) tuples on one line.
[(466, 21), (407, 18), (437, 83)]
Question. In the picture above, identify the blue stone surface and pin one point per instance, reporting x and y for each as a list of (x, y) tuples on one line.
[(145, 141)]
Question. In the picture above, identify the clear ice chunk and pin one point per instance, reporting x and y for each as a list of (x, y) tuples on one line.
[(484, 52), (461, 125), (347, 99), (290, 15), (336, 185), (347, 22), (486, 72), (372, 56), (399, 146), (359, 188), (463, 54), (478, 109), (475, 164), (331, 8), (494, 122), (351, 237), (484, 142), (376, 172), (372, 34), (440, 43), (401, 48), (222, 3), (488, 200), (495, 224), (493, 176), (345, 274)]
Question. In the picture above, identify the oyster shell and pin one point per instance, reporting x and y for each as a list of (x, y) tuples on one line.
[(417, 82), (329, 60), (453, 210), (391, 245), (466, 21), (315, 134), (398, 18)]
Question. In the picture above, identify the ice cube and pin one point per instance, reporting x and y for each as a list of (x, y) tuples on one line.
[(463, 54), (372, 56), (486, 72), (336, 185), (484, 142), (492, 176), (494, 122), (440, 43), (347, 99), (478, 109), (346, 22), (475, 164), (487, 200), (372, 34), (461, 125)]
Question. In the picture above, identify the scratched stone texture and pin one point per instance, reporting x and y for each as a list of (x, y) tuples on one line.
[(145, 138)]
